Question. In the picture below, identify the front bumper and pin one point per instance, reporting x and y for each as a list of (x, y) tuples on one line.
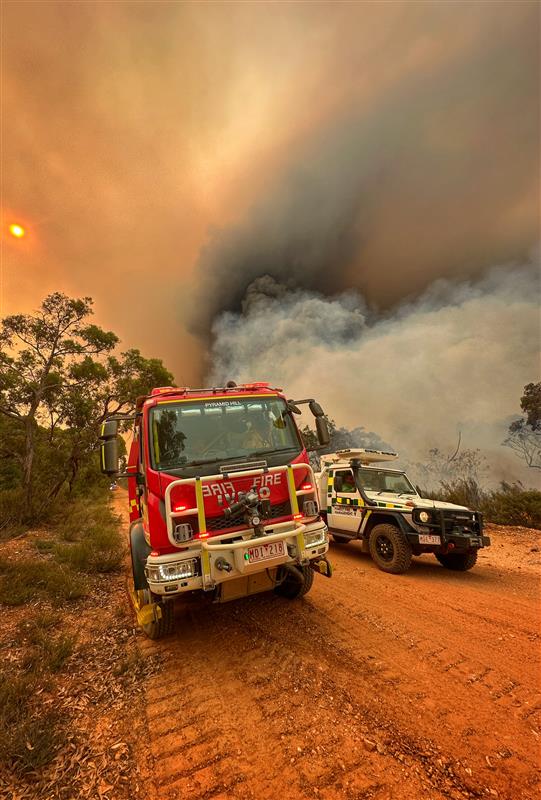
[(458, 530), (458, 542), (206, 564)]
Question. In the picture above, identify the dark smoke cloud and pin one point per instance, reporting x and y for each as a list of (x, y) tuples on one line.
[(435, 177), (454, 360)]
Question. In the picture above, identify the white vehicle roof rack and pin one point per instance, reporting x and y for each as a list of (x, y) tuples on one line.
[(361, 454)]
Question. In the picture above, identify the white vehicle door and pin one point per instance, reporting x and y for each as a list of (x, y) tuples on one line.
[(345, 502)]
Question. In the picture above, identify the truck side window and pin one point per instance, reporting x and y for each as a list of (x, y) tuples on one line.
[(344, 481)]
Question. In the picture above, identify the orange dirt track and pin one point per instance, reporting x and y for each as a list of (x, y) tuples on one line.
[(372, 686)]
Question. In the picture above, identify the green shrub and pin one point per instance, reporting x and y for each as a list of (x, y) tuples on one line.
[(10, 499), (91, 532), (44, 545), (85, 517), (463, 492), (514, 505), (25, 579), (511, 504), (101, 554), (101, 551)]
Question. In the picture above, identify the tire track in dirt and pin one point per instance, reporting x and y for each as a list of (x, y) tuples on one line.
[(501, 686), (267, 719), (373, 686)]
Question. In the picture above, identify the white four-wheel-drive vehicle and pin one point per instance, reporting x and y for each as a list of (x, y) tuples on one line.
[(382, 508)]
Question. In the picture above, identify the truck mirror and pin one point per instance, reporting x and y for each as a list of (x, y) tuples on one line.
[(109, 447), (109, 456), (323, 435), (109, 429), (316, 409), (338, 483)]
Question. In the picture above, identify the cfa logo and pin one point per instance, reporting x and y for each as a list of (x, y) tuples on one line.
[(261, 483)]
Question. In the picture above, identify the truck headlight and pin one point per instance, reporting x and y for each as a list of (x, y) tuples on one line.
[(173, 570), (313, 539), (424, 516)]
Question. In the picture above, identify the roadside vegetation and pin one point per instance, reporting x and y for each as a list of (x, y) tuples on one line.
[(60, 567), (65, 649), (70, 673), (511, 504)]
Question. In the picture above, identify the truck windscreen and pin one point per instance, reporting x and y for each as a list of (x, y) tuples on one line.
[(379, 480), (203, 431)]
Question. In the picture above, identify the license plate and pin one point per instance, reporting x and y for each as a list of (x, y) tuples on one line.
[(427, 538), (263, 552)]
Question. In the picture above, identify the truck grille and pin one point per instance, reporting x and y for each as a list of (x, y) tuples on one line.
[(221, 523), (461, 519)]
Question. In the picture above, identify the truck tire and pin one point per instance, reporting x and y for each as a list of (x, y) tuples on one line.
[(139, 552), (165, 625), (459, 562), (389, 549), (340, 539), (291, 589)]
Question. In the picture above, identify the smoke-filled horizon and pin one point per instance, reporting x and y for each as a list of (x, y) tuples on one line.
[(389, 266), (453, 361), (436, 177)]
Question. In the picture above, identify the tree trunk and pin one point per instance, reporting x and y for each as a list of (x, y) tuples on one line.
[(74, 471), (28, 464)]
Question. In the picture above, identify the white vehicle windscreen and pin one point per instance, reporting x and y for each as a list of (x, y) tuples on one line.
[(210, 430), (380, 480)]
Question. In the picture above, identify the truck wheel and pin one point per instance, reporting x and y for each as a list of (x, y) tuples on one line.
[(459, 562), (389, 549), (340, 539), (292, 589), (165, 625)]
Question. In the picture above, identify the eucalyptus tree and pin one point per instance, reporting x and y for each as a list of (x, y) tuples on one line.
[(60, 377)]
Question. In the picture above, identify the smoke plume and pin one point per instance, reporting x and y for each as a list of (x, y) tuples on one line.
[(434, 177), (364, 272), (455, 359)]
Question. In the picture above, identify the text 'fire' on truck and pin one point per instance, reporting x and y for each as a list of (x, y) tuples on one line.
[(381, 507), (222, 497)]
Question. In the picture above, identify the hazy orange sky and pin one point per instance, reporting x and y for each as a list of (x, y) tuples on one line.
[(133, 134)]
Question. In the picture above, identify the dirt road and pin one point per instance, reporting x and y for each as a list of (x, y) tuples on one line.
[(373, 686)]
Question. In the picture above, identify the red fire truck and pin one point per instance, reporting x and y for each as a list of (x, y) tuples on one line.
[(222, 497)]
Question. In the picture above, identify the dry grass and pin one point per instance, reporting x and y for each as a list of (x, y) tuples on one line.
[(47, 653), (25, 579), (91, 540), (70, 674), (28, 740)]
